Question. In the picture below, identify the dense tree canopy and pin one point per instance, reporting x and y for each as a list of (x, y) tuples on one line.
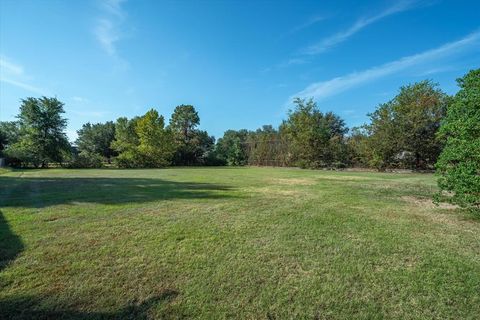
[(42, 137), (9, 134), (315, 139), (231, 148), (184, 123), (143, 141), (266, 147), (96, 139), (402, 132), (459, 163)]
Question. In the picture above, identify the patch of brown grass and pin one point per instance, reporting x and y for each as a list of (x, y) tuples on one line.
[(294, 182), (428, 203)]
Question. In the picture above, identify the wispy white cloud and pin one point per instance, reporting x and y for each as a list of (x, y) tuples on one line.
[(13, 74), (292, 62), (23, 85), (114, 7), (9, 67), (436, 70), (107, 29), (310, 22), (321, 90), (360, 24)]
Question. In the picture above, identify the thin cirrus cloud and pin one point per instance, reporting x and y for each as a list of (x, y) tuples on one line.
[(310, 22), (10, 67), (14, 74), (344, 35), (321, 90), (107, 29)]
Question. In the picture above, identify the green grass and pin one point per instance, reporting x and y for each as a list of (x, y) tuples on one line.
[(255, 243), (4, 170)]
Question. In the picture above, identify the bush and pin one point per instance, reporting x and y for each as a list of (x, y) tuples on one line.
[(86, 160), (458, 166)]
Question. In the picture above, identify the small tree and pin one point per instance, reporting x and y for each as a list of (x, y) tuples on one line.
[(458, 166)]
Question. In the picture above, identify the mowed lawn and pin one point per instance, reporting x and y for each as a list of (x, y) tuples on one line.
[(247, 243)]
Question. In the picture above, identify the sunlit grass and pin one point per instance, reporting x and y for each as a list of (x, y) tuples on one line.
[(233, 243)]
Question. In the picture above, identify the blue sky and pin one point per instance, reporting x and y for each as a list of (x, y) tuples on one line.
[(239, 63)]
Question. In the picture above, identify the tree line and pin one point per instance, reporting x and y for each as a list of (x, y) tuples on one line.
[(420, 128)]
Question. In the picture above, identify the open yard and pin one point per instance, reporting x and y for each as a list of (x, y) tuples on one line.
[(250, 243)]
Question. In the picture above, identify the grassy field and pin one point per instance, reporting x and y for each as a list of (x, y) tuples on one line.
[(249, 243)]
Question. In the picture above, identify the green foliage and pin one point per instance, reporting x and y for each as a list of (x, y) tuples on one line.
[(9, 134), (358, 149), (266, 147), (143, 142), (459, 164), (86, 160), (315, 139), (402, 132), (42, 136), (96, 139), (231, 148), (155, 142), (203, 148), (184, 123)]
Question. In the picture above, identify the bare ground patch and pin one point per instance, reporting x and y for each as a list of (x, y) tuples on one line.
[(294, 182), (269, 191), (343, 178), (425, 209), (428, 203)]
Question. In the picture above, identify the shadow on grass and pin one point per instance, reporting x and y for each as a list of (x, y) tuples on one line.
[(43, 192), (31, 308), (42, 308), (10, 244)]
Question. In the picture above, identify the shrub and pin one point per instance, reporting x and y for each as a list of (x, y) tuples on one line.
[(86, 160), (458, 166)]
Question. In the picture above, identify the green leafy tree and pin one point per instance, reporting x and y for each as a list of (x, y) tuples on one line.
[(184, 123), (143, 142), (155, 142), (383, 137), (95, 140), (42, 137), (315, 139), (9, 134), (265, 147), (204, 146), (459, 163), (231, 148), (403, 131), (358, 149), (126, 142)]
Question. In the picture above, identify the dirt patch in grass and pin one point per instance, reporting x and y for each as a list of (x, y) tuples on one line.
[(343, 178), (294, 182), (425, 208), (269, 191), (428, 203)]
